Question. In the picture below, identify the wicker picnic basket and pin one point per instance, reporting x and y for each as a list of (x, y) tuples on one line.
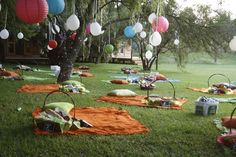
[(156, 100), (50, 126)]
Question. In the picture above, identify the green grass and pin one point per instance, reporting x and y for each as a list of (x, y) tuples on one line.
[(172, 133)]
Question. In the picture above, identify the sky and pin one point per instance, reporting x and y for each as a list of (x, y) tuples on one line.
[(228, 5)]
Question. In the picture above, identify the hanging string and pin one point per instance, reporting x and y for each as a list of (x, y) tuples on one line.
[(109, 33), (5, 24), (49, 31), (73, 6)]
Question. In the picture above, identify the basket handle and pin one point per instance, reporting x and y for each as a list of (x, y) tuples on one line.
[(208, 81), (56, 91), (231, 117), (172, 85)]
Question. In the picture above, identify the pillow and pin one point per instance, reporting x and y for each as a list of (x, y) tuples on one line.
[(160, 77), (122, 92), (72, 82), (119, 81), (86, 74), (65, 106)]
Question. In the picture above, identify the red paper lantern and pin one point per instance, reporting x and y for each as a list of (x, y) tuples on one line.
[(31, 11), (73, 35), (52, 44)]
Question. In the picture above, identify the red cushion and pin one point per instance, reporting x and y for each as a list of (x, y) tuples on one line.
[(229, 123), (86, 74), (119, 81), (160, 77)]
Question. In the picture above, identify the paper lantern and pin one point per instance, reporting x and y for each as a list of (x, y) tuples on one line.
[(20, 35), (0, 6), (4, 34), (52, 44), (73, 35), (56, 6), (31, 11), (148, 55), (134, 45), (232, 44), (87, 30), (129, 32), (149, 47), (49, 48), (155, 24), (176, 42), (109, 48), (57, 29), (155, 39), (138, 27), (73, 22), (151, 17), (96, 29), (143, 34), (163, 24)]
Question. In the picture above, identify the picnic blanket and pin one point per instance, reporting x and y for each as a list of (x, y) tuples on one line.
[(138, 77), (206, 90), (38, 88), (105, 121), (139, 101)]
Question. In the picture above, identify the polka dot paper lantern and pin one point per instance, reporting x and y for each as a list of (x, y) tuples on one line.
[(52, 44), (56, 6), (31, 11)]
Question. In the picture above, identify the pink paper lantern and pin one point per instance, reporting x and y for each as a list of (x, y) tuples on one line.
[(155, 24), (88, 31), (31, 11), (160, 24)]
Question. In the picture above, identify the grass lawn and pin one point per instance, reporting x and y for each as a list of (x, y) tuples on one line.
[(172, 132)]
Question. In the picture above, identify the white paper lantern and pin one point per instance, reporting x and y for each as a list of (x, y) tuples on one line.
[(155, 39), (151, 17), (49, 48), (148, 55), (138, 27), (96, 29), (57, 29), (20, 35), (73, 22), (176, 42), (66, 27), (143, 34), (4, 34), (232, 44)]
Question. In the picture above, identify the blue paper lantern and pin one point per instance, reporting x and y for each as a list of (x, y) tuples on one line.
[(129, 32), (134, 45), (56, 6)]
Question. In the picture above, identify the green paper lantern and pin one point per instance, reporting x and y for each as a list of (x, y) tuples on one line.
[(149, 47), (109, 48)]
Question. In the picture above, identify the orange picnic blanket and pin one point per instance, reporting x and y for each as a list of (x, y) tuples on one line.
[(138, 101), (105, 121), (8, 73), (38, 88), (205, 90)]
